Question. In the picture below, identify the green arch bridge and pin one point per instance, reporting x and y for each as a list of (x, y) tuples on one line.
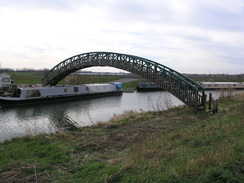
[(182, 87)]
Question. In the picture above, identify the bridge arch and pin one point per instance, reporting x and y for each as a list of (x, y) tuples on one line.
[(182, 87)]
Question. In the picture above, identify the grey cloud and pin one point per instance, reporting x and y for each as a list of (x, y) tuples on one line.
[(37, 4), (214, 17), (130, 11)]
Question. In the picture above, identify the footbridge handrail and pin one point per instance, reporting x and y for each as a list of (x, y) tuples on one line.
[(177, 74), (185, 89)]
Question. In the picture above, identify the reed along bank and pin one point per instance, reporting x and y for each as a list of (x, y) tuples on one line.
[(176, 145)]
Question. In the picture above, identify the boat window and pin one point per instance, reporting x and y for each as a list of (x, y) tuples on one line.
[(32, 93), (65, 90), (6, 79), (76, 89)]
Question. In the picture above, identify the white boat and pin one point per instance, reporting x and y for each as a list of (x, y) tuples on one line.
[(5, 82), (29, 95), (222, 85)]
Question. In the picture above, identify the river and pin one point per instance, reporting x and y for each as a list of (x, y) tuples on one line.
[(54, 117)]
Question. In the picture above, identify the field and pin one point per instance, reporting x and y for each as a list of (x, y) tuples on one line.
[(36, 78), (26, 77), (170, 146)]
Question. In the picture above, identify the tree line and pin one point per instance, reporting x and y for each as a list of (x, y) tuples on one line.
[(22, 70)]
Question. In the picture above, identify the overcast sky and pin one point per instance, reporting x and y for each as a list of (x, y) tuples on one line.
[(190, 36)]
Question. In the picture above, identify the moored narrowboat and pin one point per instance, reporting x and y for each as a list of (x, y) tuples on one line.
[(29, 95), (222, 85), (146, 87)]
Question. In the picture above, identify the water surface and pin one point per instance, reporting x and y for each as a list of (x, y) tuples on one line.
[(53, 117)]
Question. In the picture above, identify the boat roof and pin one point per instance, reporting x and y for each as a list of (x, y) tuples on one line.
[(62, 86), (220, 83)]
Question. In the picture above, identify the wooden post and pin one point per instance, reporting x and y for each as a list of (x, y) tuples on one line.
[(204, 98), (214, 106), (210, 101), (217, 106)]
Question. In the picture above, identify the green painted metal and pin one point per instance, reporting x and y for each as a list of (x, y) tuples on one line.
[(182, 87)]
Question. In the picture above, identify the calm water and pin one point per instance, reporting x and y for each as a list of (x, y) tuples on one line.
[(55, 117)]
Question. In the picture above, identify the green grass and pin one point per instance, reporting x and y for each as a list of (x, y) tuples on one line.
[(133, 84), (26, 77), (170, 146), (81, 79), (36, 78), (177, 145)]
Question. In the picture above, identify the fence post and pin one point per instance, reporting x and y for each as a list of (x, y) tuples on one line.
[(217, 106), (214, 106), (204, 98), (210, 101)]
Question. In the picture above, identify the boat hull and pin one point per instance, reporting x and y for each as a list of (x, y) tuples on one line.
[(148, 89), (6, 102)]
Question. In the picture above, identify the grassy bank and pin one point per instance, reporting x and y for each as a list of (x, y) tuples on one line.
[(177, 145), (36, 78), (133, 84), (26, 77)]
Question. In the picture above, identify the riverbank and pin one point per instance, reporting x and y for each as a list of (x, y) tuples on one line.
[(168, 146), (36, 78)]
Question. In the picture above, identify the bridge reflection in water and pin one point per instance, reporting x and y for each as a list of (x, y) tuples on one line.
[(182, 87)]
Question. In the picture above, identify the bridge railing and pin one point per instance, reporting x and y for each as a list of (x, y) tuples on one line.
[(158, 72), (179, 85)]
